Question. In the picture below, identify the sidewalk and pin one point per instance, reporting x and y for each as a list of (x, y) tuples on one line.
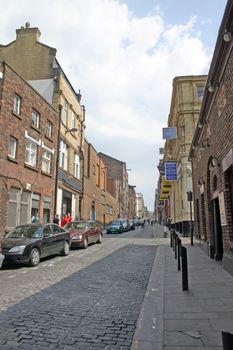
[(173, 319)]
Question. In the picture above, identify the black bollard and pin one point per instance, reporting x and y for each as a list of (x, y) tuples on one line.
[(176, 238), (184, 268), (227, 340), (171, 239), (179, 252)]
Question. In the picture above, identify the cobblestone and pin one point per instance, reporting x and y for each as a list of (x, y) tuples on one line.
[(95, 308)]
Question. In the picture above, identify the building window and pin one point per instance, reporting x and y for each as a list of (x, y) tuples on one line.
[(48, 130), (65, 113), (17, 104), (12, 147), (72, 124), (31, 154), (35, 119), (76, 166), (18, 208), (93, 169), (46, 162), (200, 93), (63, 155)]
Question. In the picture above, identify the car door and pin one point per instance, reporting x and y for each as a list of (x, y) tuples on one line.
[(47, 243), (59, 237)]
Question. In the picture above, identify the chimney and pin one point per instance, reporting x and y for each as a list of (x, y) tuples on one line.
[(25, 33)]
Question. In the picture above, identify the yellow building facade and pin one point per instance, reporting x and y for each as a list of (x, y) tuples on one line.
[(187, 94)]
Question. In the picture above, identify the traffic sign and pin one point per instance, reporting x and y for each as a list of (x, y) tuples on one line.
[(170, 171)]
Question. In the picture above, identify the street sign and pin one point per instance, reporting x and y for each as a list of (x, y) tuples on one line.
[(169, 133), (170, 171)]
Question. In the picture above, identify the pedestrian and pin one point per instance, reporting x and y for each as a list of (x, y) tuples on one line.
[(64, 220), (35, 218), (68, 217), (56, 219)]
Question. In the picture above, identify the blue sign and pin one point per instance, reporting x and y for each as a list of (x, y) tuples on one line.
[(169, 133), (170, 171)]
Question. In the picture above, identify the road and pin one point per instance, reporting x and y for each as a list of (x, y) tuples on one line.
[(90, 299)]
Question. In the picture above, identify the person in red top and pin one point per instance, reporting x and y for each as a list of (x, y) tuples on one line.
[(69, 217), (64, 220)]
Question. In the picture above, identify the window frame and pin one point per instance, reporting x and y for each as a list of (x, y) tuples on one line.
[(76, 169), (63, 155), (13, 154), (32, 153), (47, 161), (35, 123), (17, 104)]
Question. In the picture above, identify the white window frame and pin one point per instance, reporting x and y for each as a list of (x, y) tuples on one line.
[(63, 155), (76, 166), (17, 104), (12, 147), (46, 161), (49, 128), (72, 122), (35, 118), (65, 113), (31, 154)]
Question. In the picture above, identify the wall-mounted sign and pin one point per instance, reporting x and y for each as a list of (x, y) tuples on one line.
[(170, 171), (222, 209), (169, 133), (161, 151)]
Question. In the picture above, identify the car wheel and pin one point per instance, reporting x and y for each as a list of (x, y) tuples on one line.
[(100, 240), (85, 243), (34, 258), (66, 248)]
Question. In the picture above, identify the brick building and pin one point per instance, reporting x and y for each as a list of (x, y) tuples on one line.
[(212, 152), (117, 183), (37, 63), (28, 133), (98, 203)]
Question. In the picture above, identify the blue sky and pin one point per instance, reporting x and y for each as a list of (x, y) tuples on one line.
[(124, 55)]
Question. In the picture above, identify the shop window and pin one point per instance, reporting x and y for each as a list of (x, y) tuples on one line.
[(18, 207)]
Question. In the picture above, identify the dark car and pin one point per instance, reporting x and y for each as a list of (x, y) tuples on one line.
[(29, 243), (115, 227), (82, 233), (132, 224)]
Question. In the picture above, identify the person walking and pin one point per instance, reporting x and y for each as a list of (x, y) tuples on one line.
[(56, 219)]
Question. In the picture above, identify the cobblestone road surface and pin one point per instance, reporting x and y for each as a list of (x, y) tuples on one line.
[(89, 300)]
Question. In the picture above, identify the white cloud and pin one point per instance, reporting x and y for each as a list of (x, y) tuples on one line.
[(124, 66)]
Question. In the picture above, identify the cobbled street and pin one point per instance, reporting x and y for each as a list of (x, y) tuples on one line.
[(88, 300)]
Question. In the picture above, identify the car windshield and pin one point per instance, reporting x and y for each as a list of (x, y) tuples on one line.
[(77, 225), (27, 231), (115, 223)]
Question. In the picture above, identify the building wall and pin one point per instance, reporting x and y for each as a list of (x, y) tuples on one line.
[(212, 154), (184, 113), (37, 62), (98, 204), (14, 172)]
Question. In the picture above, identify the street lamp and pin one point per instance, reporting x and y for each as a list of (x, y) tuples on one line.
[(71, 130)]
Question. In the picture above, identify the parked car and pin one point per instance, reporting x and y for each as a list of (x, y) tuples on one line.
[(82, 233), (125, 223), (115, 227), (29, 243), (132, 224)]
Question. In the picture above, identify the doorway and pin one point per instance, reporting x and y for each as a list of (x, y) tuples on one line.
[(218, 243)]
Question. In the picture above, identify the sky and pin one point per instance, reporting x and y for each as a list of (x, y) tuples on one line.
[(123, 55)]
